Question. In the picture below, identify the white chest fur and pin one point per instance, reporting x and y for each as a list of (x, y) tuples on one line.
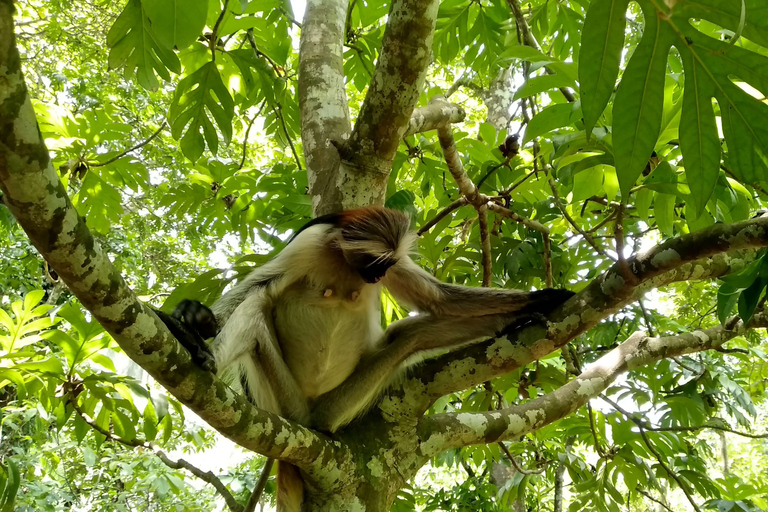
[(325, 330)]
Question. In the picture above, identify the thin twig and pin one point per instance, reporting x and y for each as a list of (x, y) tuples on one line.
[(593, 428), (137, 146), (214, 33), (279, 114), (654, 499), (641, 428), (529, 223), (258, 489), (491, 171), (519, 182), (443, 214), (517, 466), (547, 260), (602, 223), (586, 236), (248, 131), (646, 317), (618, 235), (485, 244), (259, 53), (206, 476)]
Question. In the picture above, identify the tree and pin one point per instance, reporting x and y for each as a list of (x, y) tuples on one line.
[(597, 173)]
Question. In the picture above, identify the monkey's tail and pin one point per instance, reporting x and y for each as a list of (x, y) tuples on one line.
[(290, 488)]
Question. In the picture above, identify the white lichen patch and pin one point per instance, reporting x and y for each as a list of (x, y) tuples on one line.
[(433, 445), (259, 429), (142, 329), (515, 424), (612, 283), (475, 422), (376, 467), (534, 415), (590, 387), (454, 371), (25, 125), (698, 272), (501, 348), (567, 323), (701, 336), (667, 257)]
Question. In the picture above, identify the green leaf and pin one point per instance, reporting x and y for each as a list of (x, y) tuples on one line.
[(133, 45), (551, 118), (643, 200), (200, 97), (176, 23), (602, 40), (543, 84), (639, 103), (664, 211), (150, 422), (699, 140)]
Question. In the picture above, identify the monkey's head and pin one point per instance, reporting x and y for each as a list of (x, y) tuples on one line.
[(373, 239)]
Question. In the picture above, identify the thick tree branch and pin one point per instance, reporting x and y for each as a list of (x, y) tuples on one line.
[(700, 255), (34, 194), (405, 53), (433, 116), (323, 99), (441, 432)]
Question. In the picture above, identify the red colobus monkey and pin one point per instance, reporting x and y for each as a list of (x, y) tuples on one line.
[(305, 328)]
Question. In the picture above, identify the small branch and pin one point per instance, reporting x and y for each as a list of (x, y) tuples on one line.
[(279, 114), (214, 33), (517, 467), (453, 161), (641, 427), (258, 489), (586, 236), (137, 146), (626, 273), (464, 79), (462, 201), (529, 223), (547, 260), (529, 40), (435, 115), (654, 499), (598, 447), (519, 182), (485, 244), (491, 171), (248, 131), (646, 317), (206, 476)]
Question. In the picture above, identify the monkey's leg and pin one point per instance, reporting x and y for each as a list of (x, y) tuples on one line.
[(249, 332), (401, 340)]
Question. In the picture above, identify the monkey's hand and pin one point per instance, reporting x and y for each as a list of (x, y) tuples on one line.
[(191, 340), (542, 302), (197, 317)]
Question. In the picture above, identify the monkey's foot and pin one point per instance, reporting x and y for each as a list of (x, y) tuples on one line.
[(197, 317)]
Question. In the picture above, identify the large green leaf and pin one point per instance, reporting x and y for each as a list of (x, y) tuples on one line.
[(602, 40), (200, 100), (135, 46), (712, 69), (176, 23)]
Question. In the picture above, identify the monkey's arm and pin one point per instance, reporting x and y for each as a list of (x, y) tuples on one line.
[(414, 286), (249, 337)]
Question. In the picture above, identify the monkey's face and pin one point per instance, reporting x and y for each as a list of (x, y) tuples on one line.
[(370, 267)]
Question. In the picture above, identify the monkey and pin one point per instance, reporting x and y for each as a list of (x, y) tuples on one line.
[(304, 328)]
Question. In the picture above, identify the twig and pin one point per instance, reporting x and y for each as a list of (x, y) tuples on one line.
[(593, 428), (206, 476), (259, 53), (258, 489), (529, 40), (586, 236), (517, 466), (529, 223), (618, 234), (602, 223), (443, 214), (214, 33), (462, 80), (547, 260), (519, 182), (641, 428), (654, 499), (490, 172), (646, 317), (248, 131), (485, 244), (137, 146), (279, 114)]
